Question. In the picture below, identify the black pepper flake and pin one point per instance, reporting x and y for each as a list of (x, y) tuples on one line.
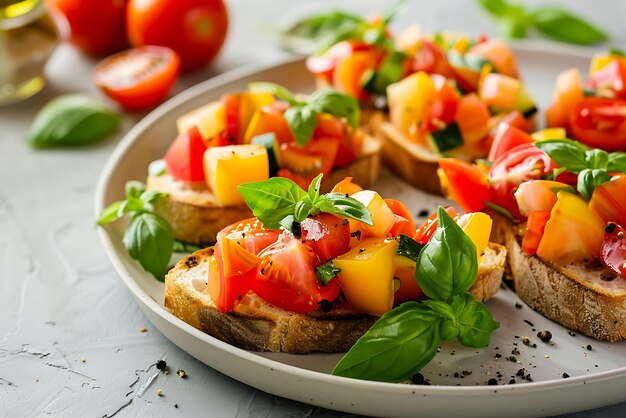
[(498, 355), (570, 332), (515, 352), (418, 379), (545, 336), (512, 358), (518, 305), (422, 213), (528, 378), (610, 227), (356, 234), (492, 382), (239, 298), (191, 262), (176, 405), (512, 382), (361, 250), (565, 375), (456, 374), (161, 364), (589, 347), (325, 305), (529, 323), (520, 373), (466, 372)]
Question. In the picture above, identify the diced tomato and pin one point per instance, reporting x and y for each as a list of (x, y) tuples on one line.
[(443, 108), (250, 234), (404, 224), (237, 269), (232, 103), (499, 54), (506, 138), (350, 71), (183, 159), (472, 117), (537, 195), (269, 119), (613, 252), (465, 183), (409, 289), (427, 229), (568, 91), (324, 65), (600, 123), (609, 201), (430, 59), (332, 127), (346, 186), (328, 236), (522, 163), (612, 76), (302, 165), (535, 226), (286, 277)]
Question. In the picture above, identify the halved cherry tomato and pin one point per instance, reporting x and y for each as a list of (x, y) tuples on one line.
[(613, 252), (328, 236), (465, 183), (404, 221), (138, 78), (522, 163), (600, 123), (250, 234), (430, 59), (324, 65), (535, 226), (302, 165), (286, 277), (506, 138), (183, 159), (612, 76), (609, 201), (427, 229)]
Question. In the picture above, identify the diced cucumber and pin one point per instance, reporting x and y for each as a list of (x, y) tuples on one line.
[(446, 139), (270, 143), (524, 103)]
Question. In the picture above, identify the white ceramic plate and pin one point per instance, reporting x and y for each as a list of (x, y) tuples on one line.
[(458, 375)]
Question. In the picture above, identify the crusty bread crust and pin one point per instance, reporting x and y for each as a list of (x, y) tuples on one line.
[(196, 216), (581, 296), (413, 162), (259, 326)]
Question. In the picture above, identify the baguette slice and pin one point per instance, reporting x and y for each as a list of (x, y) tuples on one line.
[(259, 326), (196, 215), (584, 297)]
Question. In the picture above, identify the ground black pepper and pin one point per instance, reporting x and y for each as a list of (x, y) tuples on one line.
[(589, 347), (545, 336), (418, 379), (565, 375), (161, 364), (518, 305), (492, 382)]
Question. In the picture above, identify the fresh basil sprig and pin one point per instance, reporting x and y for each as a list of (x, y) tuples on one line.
[(149, 238), (317, 33), (592, 165), (279, 202), (406, 338), (302, 115), (72, 120), (554, 22), (326, 272)]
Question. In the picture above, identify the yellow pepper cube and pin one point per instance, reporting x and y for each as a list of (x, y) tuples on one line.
[(549, 133), (210, 120), (225, 168), (409, 100), (382, 217), (477, 226), (366, 276)]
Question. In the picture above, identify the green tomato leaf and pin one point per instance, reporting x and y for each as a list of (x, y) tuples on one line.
[(396, 347), (326, 272), (345, 207), (408, 247), (588, 179), (479, 334), (617, 162), (272, 200), (277, 90), (110, 213), (597, 158), (447, 266), (72, 120), (568, 154), (337, 104), (302, 121), (150, 240), (564, 26)]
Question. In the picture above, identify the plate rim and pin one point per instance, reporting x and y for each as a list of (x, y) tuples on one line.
[(134, 134)]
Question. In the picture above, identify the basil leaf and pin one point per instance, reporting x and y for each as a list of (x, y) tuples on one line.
[(134, 188), (617, 162), (408, 247), (501, 211), (458, 315), (132, 205), (326, 272), (156, 168), (288, 223), (110, 213), (275, 89), (150, 197), (271, 200), (345, 207), (566, 153), (448, 327), (597, 158), (464, 307), (337, 104), (495, 7), (185, 247), (390, 71), (557, 172), (302, 121), (396, 347), (399, 7), (72, 120), (447, 265), (302, 210), (564, 26), (314, 188), (150, 240), (588, 179), (479, 334)]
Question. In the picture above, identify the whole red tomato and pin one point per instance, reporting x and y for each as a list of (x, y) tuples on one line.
[(94, 26), (195, 29)]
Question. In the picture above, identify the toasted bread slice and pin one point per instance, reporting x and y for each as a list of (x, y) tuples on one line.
[(197, 216), (584, 297), (412, 162), (257, 325)]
